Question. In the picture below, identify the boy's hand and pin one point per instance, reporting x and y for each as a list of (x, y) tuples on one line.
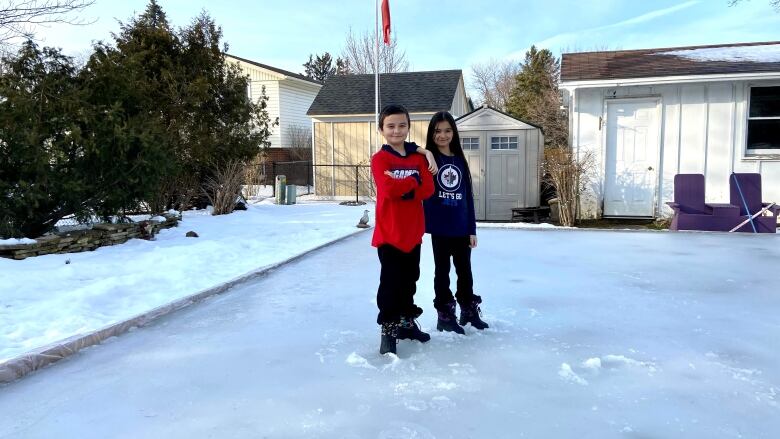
[(432, 168), (473, 241)]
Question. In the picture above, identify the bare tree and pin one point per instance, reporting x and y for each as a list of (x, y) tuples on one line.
[(18, 17), (299, 137), (568, 174), (775, 3), (494, 80), (224, 187), (358, 53)]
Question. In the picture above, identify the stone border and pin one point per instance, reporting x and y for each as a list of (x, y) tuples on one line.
[(100, 235), (22, 365)]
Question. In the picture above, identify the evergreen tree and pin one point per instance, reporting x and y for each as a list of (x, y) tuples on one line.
[(535, 96), (321, 67), (41, 155)]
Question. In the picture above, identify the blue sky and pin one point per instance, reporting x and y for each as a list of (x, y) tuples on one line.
[(451, 34)]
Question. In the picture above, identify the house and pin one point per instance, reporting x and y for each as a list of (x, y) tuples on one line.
[(344, 128), (504, 155), (649, 114), (289, 96)]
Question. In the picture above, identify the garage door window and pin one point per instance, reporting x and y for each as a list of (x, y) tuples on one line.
[(503, 142), (469, 143)]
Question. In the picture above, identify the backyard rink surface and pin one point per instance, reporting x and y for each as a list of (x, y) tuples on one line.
[(594, 334)]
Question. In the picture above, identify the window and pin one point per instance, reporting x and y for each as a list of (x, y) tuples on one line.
[(469, 143), (763, 133), (503, 142)]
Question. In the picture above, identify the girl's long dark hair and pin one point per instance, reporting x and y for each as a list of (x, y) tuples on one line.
[(455, 146)]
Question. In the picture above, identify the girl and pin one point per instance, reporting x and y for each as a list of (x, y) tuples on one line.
[(449, 219)]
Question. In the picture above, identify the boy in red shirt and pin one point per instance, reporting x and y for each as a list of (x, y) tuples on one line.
[(402, 183)]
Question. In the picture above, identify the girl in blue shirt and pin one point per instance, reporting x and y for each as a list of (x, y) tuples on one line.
[(450, 220)]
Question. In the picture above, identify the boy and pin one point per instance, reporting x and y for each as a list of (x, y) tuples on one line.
[(402, 182)]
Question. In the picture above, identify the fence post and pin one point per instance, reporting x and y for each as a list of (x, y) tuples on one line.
[(273, 179), (357, 185)]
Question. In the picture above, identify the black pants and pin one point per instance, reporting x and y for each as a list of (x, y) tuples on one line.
[(457, 248), (397, 284)]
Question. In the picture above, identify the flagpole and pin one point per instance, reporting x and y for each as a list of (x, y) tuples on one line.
[(376, 76)]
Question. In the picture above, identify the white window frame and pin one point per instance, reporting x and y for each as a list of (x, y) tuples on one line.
[(505, 145), (473, 143), (748, 150)]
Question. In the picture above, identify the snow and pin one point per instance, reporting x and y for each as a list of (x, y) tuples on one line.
[(50, 298), (763, 53), (594, 334), (16, 241)]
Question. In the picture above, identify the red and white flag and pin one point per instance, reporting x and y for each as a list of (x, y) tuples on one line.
[(386, 20)]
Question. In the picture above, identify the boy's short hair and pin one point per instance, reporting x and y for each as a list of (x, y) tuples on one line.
[(393, 109)]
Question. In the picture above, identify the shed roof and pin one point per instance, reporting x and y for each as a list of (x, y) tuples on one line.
[(674, 61), (419, 92)]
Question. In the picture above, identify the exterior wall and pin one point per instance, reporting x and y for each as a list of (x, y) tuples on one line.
[(460, 101), (351, 141), (272, 91), (703, 130), (295, 98)]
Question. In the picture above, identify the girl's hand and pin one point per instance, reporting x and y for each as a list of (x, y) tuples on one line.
[(473, 241), (431, 162)]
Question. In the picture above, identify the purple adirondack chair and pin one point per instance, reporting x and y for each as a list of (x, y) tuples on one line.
[(750, 186), (692, 213)]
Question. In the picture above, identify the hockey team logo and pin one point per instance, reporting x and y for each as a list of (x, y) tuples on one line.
[(449, 178)]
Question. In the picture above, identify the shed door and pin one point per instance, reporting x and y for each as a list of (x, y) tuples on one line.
[(474, 148), (632, 156), (504, 188)]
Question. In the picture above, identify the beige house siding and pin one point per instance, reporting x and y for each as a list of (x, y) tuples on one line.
[(289, 98), (460, 101), (354, 142)]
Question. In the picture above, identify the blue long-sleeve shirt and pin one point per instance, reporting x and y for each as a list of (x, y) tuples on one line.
[(450, 211)]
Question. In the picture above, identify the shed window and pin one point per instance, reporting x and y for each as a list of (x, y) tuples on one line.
[(503, 142), (469, 143), (763, 133)]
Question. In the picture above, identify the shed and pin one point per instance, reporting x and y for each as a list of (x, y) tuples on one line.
[(650, 114), (343, 127), (504, 155)]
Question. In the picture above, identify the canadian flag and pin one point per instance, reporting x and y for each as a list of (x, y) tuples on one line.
[(386, 20)]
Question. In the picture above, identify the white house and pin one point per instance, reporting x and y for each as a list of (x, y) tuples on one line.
[(647, 115), (289, 97)]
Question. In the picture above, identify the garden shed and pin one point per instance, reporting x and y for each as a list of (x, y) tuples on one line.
[(504, 155)]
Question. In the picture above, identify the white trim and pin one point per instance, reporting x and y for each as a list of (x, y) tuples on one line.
[(754, 152), (657, 80)]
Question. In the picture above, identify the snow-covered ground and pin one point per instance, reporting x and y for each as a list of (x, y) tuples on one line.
[(594, 334), (50, 298)]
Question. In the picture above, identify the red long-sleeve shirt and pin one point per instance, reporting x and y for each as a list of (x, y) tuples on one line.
[(400, 220)]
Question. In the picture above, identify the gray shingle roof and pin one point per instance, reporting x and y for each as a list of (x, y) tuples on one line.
[(677, 61), (417, 91)]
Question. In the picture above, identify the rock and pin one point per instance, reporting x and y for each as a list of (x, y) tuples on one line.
[(191, 234)]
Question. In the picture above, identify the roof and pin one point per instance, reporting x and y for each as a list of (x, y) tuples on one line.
[(277, 70), (674, 61), (419, 92), (488, 107)]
